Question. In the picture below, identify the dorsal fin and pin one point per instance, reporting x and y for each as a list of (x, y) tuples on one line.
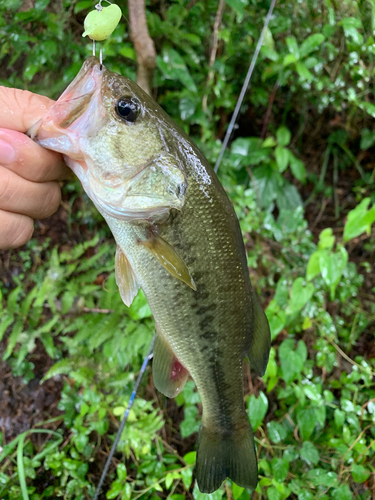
[(125, 278)]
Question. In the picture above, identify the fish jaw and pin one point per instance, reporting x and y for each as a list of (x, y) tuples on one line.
[(76, 113)]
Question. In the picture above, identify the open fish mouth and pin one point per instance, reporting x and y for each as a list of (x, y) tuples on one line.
[(77, 108)]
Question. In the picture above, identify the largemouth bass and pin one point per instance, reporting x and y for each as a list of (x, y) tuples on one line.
[(179, 239)]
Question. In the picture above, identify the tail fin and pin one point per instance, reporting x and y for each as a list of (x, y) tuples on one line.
[(226, 454)]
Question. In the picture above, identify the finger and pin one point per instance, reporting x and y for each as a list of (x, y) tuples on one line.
[(29, 160), (15, 230), (20, 108), (34, 199)]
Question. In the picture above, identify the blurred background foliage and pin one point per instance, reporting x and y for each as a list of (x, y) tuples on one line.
[(300, 173)]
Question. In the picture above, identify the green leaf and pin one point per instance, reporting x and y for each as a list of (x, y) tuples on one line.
[(297, 167), (128, 52), (257, 408), (116, 490), (326, 240), (268, 40), (237, 491), (280, 469), (190, 458), (276, 432), (269, 53), (190, 424), (61, 367), (332, 266), (267, 184), (187, 108), (290, 454), (85, 4), (288, 197), (174, 68), (368, 107), (339, 416), (289, 59), (313, 266), (283, 136), (351, 26), (121, 472), (303, 72), (282, 158), (291, 360), (310, 44), (269, 142), (306, 420), (276, 318), (238, 5), (342, 493), (300, 296), (216, 495), (360, 474), (305, 495), (359, 220), (81, 441), (322, 477), (273, 493), (292, 46), (309, 453), (367, 139), (187, 477)]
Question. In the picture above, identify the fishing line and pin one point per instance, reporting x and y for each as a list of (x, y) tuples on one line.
[(225, 143), (244, 87), (124, 420)]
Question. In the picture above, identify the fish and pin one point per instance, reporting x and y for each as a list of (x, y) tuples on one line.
[(178, 238)]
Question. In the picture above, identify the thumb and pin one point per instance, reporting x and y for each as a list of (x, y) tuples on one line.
[(20, 108)]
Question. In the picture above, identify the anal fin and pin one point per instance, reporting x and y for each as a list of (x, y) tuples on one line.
[(260, 348), (125, 278), (168, 258), (168, 373)]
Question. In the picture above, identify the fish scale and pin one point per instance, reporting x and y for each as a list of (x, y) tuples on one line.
[(179, 239)]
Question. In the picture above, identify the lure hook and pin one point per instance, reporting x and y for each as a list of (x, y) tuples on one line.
[(100, 53)]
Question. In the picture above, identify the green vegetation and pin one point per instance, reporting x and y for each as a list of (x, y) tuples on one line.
[(301, 177)]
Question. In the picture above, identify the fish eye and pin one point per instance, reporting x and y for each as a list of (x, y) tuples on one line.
[(127, 109)]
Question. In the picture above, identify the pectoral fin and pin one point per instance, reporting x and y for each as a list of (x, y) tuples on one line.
[(125, 278), (168, 258), (168, 373), (261, 344)]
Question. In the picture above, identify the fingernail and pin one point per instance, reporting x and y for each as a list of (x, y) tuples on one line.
[(7, 153)]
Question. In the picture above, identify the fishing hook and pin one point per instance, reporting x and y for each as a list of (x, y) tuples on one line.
[(100, 53)]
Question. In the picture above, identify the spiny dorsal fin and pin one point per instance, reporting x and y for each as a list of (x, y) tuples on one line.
[(168, 373), (125, 278), (261, 344), (168, 258)]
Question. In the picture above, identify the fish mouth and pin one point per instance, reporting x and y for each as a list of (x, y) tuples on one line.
[(76, 109)]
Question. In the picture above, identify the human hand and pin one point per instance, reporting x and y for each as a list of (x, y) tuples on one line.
[(28, 173)]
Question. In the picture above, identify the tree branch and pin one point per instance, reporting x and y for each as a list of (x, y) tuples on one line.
[(143, 44)]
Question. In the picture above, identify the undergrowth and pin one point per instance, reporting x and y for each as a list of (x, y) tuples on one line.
[(300, 174)]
